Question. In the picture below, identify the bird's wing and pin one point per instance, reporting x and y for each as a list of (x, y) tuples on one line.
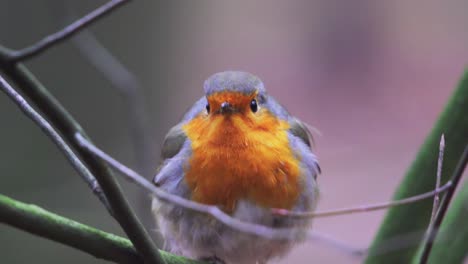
[(173, 152), (300, 130), (172, 145), (173, 142), (175, 138)]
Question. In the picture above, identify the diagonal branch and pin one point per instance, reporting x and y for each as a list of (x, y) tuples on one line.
[(65, 33), (440, 161), (68, 126), (100, 244), (246, 227), (127, 85), (57, 139), (433, 230)]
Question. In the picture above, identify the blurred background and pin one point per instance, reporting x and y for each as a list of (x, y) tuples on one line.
[(370, 76)]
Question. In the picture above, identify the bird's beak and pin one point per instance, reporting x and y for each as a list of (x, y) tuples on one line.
[(226, 108)]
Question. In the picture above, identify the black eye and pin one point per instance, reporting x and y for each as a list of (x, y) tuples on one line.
[(253, 105), (208, 108)]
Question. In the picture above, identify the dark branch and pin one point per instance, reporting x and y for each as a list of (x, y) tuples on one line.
[(68, 126), (66, 32), (432, 232), (57, 139)]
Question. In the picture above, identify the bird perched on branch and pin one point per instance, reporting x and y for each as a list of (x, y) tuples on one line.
[(239, 149)]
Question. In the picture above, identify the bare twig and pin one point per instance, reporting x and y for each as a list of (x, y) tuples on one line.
[(67, 126), (66, 32), (361, 209), (334, 212), (435, 205), (432, 232), (57, 139), (255, 229), (440, 161), (125, 83)]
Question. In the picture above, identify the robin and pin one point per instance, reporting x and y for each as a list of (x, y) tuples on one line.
[(236, 148)]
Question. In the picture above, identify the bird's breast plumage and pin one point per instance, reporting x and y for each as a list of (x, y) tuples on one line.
[(240, 157)]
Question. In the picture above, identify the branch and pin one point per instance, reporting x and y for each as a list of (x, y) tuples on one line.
[(38, 221), (68, 126), (449, 246), (453, 233), (65, 33), (389, 245), (366, 208), (440, 161), (255, 229), (433, 230), (57, 139), (453, 123)]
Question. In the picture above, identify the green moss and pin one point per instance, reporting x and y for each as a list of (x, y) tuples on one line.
[(33, 219)]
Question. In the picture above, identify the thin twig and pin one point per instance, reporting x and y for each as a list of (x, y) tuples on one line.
[(76, 163), (66, 32), (440, 161), (432, 233), (127, 85), (435, 206), (255, 229), (100, 244), (68, 126), (137, 116), (361, 209), (334, 212)]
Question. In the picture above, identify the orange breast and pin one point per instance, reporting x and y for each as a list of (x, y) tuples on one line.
[(242, 157)]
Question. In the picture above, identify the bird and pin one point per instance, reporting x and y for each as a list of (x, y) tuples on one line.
[(236, 148)]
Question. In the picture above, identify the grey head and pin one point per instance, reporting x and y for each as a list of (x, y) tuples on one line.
[(236, 81)]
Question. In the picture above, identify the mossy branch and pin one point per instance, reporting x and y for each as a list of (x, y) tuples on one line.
[(67, 126), (100, 244), (453, 122)]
